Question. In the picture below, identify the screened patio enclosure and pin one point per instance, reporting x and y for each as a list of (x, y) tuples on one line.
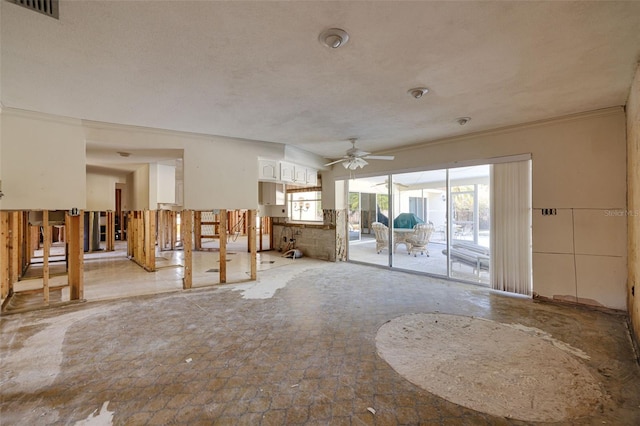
[(449, 206)]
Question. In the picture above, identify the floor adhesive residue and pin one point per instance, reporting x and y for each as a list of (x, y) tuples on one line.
[(495, 368)]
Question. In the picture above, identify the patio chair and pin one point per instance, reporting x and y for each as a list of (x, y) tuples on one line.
[(419, 240), (382, 236)]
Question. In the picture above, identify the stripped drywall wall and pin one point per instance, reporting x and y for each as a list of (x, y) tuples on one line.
[(633, 203)]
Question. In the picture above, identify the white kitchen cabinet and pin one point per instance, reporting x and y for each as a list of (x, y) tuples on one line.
[(312, 177), (287, 172), (271, 194), (300, 175), (268, 169)]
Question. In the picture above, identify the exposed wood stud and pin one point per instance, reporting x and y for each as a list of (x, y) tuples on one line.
[(223, 246), (197, 230), (14, 248), (252, 243), (75, 241), (187, 243), (110, 237), (4, 254), (46, 249)]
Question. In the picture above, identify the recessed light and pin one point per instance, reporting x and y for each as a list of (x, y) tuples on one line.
[(463, 120), (124, 154), (334, 37), (418, 92)]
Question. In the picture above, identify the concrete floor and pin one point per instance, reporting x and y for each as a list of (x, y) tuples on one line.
[(295, 347), (364, 250)]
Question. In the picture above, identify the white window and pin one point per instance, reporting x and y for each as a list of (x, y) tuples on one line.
[(305, 206)]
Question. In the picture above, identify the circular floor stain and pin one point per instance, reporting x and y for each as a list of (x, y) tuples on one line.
[(499, 369)]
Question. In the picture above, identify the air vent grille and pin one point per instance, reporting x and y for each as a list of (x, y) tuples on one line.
[(46, 7)]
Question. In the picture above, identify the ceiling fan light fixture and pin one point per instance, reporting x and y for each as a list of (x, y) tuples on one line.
[(334, 38), (418, 92), (354, 163)]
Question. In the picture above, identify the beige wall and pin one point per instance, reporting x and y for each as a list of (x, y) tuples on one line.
[(579, 169), (101, 189), (139, 185), (217, 172), (633, 209), (42, 162)]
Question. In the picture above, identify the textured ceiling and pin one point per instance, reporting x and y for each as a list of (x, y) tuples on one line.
[(256, 70)]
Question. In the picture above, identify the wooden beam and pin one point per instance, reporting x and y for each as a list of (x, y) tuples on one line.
[(130, 238), (150, 240), (75, 240), (186, 221), (4, 254), (197, 230), (223, 246), (174, 229), (46, 249), (110, 238), (252, 243), (14, 248)]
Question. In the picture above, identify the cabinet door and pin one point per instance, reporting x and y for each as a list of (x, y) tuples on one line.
[(312, 177), (268, 169), (300, 175), (286, 172)]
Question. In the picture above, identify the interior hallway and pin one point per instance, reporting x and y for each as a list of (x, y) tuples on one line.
[(296, 347)]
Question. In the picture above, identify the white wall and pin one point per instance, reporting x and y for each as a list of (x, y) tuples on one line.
[(218, 172), (43, 162), (101, 190), (579, 168), (166, 184)]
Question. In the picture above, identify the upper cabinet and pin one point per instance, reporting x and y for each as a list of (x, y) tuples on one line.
[(285, 172), (268, 169), (312, 177), (300, 174)]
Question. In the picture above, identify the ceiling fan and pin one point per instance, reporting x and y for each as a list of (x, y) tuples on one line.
[(355, 158)]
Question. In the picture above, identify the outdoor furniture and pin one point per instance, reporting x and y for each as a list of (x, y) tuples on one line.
[(406, 221), (400, 236), (419, 239), (471, 254), (381, 232)]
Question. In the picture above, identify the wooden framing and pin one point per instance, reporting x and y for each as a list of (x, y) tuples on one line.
[(110, 237), (15, 269), (223, 246), (149, 241), (4, 255), (187, 244), (197, 230), (75, 241), (46, 230), (251, 219)]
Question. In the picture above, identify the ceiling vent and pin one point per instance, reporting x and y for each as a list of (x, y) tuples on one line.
[(46, 7)]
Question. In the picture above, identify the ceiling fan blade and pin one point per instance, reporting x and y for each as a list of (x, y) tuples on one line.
[(335, 162), (379, 157)]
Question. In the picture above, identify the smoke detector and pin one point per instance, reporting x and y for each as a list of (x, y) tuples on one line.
[(334, 38), (418, 92)]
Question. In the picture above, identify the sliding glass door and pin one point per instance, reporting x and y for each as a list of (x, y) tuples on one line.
[(438, 223)]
